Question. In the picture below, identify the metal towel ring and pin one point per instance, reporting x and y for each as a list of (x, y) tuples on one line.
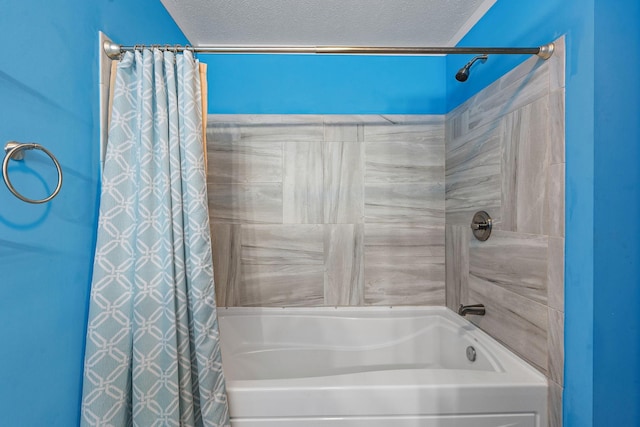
[(13, 150)]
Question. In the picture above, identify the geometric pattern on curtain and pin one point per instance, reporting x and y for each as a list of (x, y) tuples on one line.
[(152, 350)]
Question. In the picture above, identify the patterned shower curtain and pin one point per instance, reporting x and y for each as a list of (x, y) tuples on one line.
[(152, 353)]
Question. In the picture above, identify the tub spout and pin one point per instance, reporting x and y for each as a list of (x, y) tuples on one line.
[(477, 309)]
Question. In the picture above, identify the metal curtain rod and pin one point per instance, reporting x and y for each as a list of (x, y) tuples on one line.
[(114, 50)]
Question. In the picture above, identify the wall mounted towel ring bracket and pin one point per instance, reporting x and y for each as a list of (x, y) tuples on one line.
[(14, 151)]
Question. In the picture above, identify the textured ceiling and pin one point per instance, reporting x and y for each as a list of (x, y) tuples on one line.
[(327, 22)]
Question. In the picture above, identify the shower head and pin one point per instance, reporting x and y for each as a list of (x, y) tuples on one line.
[(463, 73)]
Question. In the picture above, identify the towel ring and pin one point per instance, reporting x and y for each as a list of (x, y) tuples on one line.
[(13, 150)]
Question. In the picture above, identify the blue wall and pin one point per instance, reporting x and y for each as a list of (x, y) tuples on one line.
[(617, 214), (49, 94), (303, 84)]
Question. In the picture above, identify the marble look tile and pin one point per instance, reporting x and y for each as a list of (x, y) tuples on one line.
[(344, 264), (282, 244), (281, 285), (104, 61), (524, 168), (556, 126), (380, 119), (555, 273), (554, 402), (242, 162), (398, 284), (225, 242), (399, 244), (555, 338), (457, 265), (404, 161), (415, 131), (518, 322), (457, 123), (557, 65), (554, 209), (419, 119), (265, 128), (477, 147), (514, 275), (260, 261), (343, 182), (336, 130), (216, 119), (303, 192), (513, 261), (104, 120), (349, 119), (473, 174), (509, 176), (245, 203), (261, 119), (104, 64), (523, 72), (522, 86), (405, 203), (221, 132), (471, 191)]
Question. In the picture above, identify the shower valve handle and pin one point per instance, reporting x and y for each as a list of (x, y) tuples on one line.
[(480, 226)]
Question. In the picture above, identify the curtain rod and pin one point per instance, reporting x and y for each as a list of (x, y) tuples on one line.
[(114, 50)]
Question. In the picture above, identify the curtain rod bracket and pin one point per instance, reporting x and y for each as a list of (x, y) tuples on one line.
[(546, 51), (113, 50)]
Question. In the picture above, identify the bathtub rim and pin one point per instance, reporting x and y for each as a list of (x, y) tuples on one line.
[(523, 391), (497, 349)]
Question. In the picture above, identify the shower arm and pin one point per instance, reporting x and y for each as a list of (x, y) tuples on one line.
[(114, 51)]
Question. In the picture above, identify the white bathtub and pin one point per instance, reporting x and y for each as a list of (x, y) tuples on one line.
[(372, 367)]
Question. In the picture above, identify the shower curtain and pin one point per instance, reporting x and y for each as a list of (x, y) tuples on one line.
[(152, 353)]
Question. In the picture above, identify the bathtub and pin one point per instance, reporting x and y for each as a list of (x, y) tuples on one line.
[(372, 367)]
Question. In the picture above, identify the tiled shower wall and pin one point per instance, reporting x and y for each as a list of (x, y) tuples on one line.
[(505, 155), (327, 210), (350, 210)]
